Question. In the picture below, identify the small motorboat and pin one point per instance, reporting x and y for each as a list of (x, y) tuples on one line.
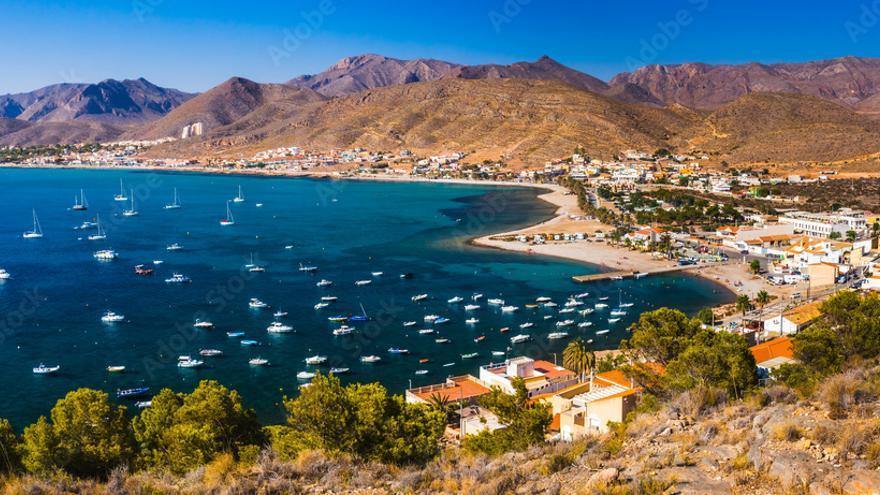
[(407, 275), (419, 297), (377, 274), (526, 325), (471, 355), (258, 362), (424, 360), (600, 305), (143, 404), (442, 340), (338, 371), (111, 317), (190, 363), (543, 299), (234, 335), (441, 320), (142, 270), (585, 324), (249, 343), (472, 321), (321, 305), (305, 375), (173, 247), (455, 300), (496, 302), (585, 312), (324, 283), (472, 307), (550, 304), (408, 324), (426, 331), (279, 314), (564, 323), (361, 283), (255, 303), (42, 369), (128, 393), (431, 318), (519, 339), (504, 329), (4, 275), (613, 320), (316, 360), (115, 369), (278, 327), (557, 335), (105, 255), (370, 359), (602, 332), (509, 309), (582, 295), (210, 352), (397, 350), (203, 324), (421, 372), (479, 339), (178, 279), (329, 298), (343, 330)]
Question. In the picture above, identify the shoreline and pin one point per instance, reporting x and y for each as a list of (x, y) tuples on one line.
[(600, 255)]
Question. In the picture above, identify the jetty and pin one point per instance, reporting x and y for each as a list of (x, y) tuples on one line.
[(583, 279)]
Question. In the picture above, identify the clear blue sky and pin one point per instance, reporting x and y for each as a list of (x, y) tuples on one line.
[(195, 44)]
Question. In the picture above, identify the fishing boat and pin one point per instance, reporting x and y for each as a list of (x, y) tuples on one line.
[(316, 360), (79, 202), (397, 350), (173, 247), (203, 324), (255, 303), (100, 235), (343, 330), (258, 361), (105, 255), (234, 335), (278, 327), (324, 283), (321, 305), (370, 359), (142, 270), (421, 372), (441, 320), (210, 352), (305, 375), (42, 369), (496, 302), (131, 212), (329, 298), (229, 220), (279, 314), (338, 371), (585, 324), (471, 307), (479, 339), (121, 196), (408, 324), (419, 297), (472, 321), (249, 343), (527, 324), (177, 278), (426, 331), (564, 323), (4, 275), (175, 205), (602, 332), (128, 393), (307, 268), (455, 300), (36, 232), (557, 335), (470, 355), (509, 309), (239, 198), (442, 340), (543, 299), (115, 369), (519, 339), (111, 317)]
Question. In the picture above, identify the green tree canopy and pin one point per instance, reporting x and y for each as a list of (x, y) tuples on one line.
[(661, 335), (856, 319), (9, 447), (86, 437), (180, 432), (579, 357), (719, 359), (818, 349)]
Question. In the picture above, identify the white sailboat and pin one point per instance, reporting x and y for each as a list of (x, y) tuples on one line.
[(79, 202), (229, 220), (132, 212), (37, 232), (100, 235), (239, 198), (175, 204), (121, 196)]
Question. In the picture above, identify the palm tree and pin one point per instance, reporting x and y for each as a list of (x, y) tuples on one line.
[(579, 357), (762, 298), (743, 304), (440, 403)]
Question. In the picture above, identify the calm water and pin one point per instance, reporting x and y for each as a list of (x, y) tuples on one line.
[(50, 310)]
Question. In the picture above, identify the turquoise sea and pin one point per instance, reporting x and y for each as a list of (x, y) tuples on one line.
[(50, 309)]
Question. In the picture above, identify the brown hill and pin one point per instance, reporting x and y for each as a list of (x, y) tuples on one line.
[(545, 68), (232, 102), (776, 127), (847, 80), (22, 133)]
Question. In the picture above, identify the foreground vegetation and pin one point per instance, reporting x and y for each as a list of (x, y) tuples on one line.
[(346, 438)]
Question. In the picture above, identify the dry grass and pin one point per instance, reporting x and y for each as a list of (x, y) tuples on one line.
[(788, 432), (847, 394)]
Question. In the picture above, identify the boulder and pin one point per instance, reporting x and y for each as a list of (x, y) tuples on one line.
[(862, 482), (792, 469)]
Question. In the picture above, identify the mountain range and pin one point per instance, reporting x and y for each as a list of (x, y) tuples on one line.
[(528, 111)]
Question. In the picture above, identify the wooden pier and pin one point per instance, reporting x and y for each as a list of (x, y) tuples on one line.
[(583, 279)]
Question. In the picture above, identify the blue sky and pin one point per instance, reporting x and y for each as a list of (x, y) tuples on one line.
[(195, 44)]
